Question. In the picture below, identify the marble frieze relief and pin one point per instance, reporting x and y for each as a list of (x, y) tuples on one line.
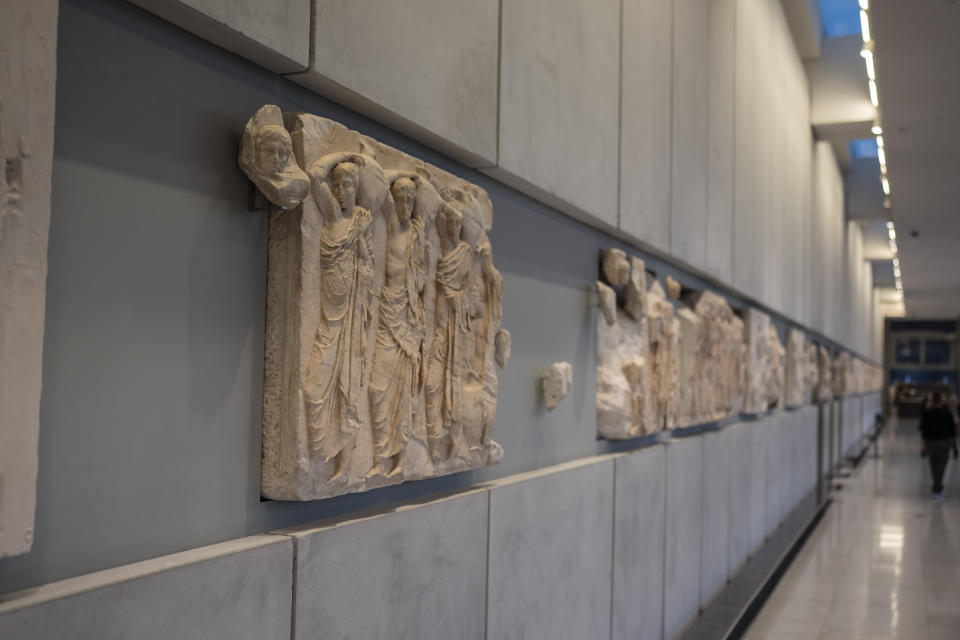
[(383, 312), (665, 359)]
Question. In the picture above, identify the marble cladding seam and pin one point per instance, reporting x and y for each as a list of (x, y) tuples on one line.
[(486, 534)]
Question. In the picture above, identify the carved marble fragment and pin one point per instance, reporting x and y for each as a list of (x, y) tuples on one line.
[(638, 359), (383, 312), (673, 289), (616, 267), (824, 387), (501, 348), (722, 372), (28, 38), (556, 384), (693, 349), (635, 289), (608, 302), (797, 368), (765, 363), (623, 368), (664, 348), (841, 377)]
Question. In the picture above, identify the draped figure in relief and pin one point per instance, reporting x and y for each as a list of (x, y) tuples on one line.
[(444, 384), (397, 363), (336, 364)]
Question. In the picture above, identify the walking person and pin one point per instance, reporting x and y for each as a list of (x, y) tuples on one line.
[(939, 430)]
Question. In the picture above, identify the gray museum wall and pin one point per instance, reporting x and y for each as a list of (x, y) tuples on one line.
[(625, 545), (151, 408)]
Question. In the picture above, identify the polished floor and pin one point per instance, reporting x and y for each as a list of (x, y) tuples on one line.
[(883, 563)]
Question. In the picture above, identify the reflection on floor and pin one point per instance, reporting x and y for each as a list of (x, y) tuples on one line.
[(883, 563)]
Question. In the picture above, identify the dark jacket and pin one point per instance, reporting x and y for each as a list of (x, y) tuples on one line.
[(937, 423)]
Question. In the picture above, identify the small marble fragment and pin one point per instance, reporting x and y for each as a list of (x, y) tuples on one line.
[(608, 303), (556, 384), (616, 267), (635, 290), (501, 346), (673, 289)]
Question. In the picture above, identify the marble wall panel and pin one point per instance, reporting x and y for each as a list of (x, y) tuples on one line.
[(740, 493), (716, 496), (759, 481), (638, 544), (684, 522), (427, 68), (777, 472), (28, 47), (646, 106), (550, 552), (691, 105), (560, 69), (720, 138), (275, 35), (417, 571), (230, 591)]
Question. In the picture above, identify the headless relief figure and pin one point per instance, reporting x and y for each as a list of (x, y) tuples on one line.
[(395, 376), (444, 385), (335, 367)]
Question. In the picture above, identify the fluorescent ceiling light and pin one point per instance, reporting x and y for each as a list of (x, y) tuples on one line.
[(892, 233), (886, 185), (864, 25), (877, 130), (873, 93), (880, 142), (868, 58), (882, 156), (864, 4), (889, 224)]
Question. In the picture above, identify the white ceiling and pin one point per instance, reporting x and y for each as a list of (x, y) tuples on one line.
[(917, 56)]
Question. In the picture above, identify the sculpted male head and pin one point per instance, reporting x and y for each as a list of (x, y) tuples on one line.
[(346, 178), (404, 193)]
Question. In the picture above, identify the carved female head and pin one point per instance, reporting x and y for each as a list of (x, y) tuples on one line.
[(346, 179), (266, 156), (273, 149), (453, 224)]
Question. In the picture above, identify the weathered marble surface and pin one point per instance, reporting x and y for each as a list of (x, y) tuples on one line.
[(722, 371), (638, 354), (824, 386), (765, 363), (661, 364), (28, 49), (383, 311), (664, 334), (623, 362), (797, 368), (556, 384), (841, 374)]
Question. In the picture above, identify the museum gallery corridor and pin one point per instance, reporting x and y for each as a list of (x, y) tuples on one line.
[(883, 562)]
